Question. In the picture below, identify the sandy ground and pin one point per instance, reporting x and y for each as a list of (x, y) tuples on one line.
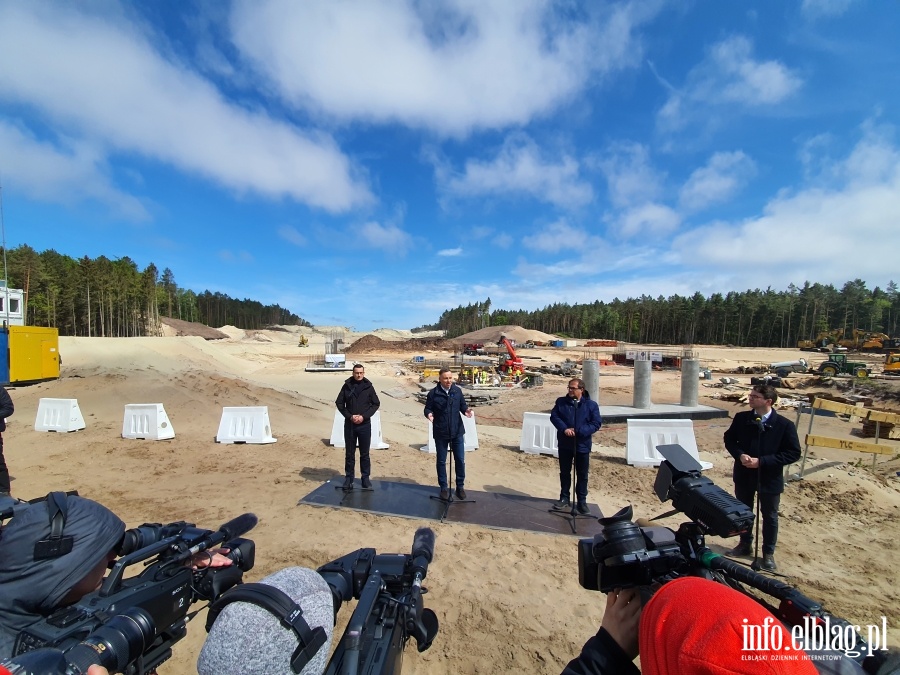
[(508, 601)]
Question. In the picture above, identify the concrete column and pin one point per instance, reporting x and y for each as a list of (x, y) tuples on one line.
[(591, 376), (642, 371), (690, 382)]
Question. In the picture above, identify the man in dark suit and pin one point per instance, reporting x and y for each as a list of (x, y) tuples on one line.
[(762, 443), (6, 409), (576, 418)]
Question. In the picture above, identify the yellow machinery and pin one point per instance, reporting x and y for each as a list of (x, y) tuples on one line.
[(33, 354), (304, 341), (892, 363)]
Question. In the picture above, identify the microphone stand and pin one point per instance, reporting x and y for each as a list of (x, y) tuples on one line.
[(756, 564), (450, 478)]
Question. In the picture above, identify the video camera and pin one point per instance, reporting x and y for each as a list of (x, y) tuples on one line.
[(389, 610), (129, 625), (626, 555)]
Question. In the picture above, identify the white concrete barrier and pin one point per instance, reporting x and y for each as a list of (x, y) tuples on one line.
[(645, 435), (337, 432), (58, 414), (471, 438), (538, 435), (147, 421), (248, 424)]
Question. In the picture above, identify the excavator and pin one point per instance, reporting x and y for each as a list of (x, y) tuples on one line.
[(510, 363), (892, 364), (824, 342), (303, 342)]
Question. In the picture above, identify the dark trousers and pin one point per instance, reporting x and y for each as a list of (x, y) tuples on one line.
[(443, 446), (768, 507), (582, 466), (353, 434)]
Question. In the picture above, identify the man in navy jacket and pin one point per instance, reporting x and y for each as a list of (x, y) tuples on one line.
[(357, 402), (442, 408), (576, 418), (762, 443), (6, 409)]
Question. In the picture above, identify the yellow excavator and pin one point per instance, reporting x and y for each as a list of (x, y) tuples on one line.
[(304, 341), (824, 342), (892, 364)]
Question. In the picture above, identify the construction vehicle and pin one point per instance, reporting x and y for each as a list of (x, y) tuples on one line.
[(510, 363), (785, 368), (304, 341), (824, 342), (473, 349), (838, 364), (892, 363)]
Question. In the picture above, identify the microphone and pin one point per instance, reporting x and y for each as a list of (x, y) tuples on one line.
[(423, 544), (759, 423), (239, 526)]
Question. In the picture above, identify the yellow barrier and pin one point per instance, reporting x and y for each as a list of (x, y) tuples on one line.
[(844, 444)]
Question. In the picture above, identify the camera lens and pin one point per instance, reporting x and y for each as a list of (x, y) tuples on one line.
[(115, 644), (620, 536)]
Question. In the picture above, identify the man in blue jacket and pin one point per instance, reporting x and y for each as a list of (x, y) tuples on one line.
[(576, 418), (442, 408), (762, 443)]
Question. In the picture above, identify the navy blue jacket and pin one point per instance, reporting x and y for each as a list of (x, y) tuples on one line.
[(585, 420), (776, 447), (6, 407), (446, 408)]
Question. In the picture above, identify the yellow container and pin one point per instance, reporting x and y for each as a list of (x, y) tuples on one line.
[(33, 354)]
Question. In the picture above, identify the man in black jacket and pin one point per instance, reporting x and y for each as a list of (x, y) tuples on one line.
[(357, 402), (762, 443), (6, 409), (443, 407)]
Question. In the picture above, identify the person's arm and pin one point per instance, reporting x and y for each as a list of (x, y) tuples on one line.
[(6, 405), (341, 402), (429, 405), (374, 404), (591, 422), (463, 406), (615, 646), (556, 418), (788, 448), (731, 439)]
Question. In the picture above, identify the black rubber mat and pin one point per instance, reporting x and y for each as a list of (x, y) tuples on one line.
[(490, 509)]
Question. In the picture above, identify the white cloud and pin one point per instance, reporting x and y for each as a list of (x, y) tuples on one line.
[(629, 174), (825, 8), (828, 234), (520, 167), (450, 65), (729, 76), (99, 78), (69, 174), (559, 236), (228, 256), (389, 238), (651, 218), (290, 234), (722, 177), (450, 252)]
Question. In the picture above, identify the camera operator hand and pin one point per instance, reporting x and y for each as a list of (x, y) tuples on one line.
[(213, 558), (622, 618)]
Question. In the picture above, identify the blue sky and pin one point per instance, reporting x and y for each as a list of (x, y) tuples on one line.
[(374, 163)]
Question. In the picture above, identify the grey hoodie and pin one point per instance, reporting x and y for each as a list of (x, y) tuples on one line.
[(30, 590)]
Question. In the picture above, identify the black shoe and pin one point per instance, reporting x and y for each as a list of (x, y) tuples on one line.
[(366, 483), (348, 484), (460, 493), (445, 494), (583, 509), (768, 562), (742, 549), (562, 505)]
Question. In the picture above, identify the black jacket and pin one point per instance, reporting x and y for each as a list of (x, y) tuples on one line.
[(357, 398), (29, 589), (601, 655), (583, 418), (6, 407), (446, 408), (776, 447)]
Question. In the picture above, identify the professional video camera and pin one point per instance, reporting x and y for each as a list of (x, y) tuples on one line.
[(130, 625), (626, 555), (390, 608)]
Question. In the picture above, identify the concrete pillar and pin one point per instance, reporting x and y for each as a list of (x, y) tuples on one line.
[(642, 371), (690, 382), (591, 376)]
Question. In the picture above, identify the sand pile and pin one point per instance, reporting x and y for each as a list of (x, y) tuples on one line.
[(369, 344), (179, 328), (517, 333)]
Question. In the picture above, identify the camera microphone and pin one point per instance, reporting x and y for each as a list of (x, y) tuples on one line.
[(423, 544), (759, 423), (239, 526)]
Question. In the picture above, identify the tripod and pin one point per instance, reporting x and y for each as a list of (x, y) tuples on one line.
[(572, 514), (450, 476)]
